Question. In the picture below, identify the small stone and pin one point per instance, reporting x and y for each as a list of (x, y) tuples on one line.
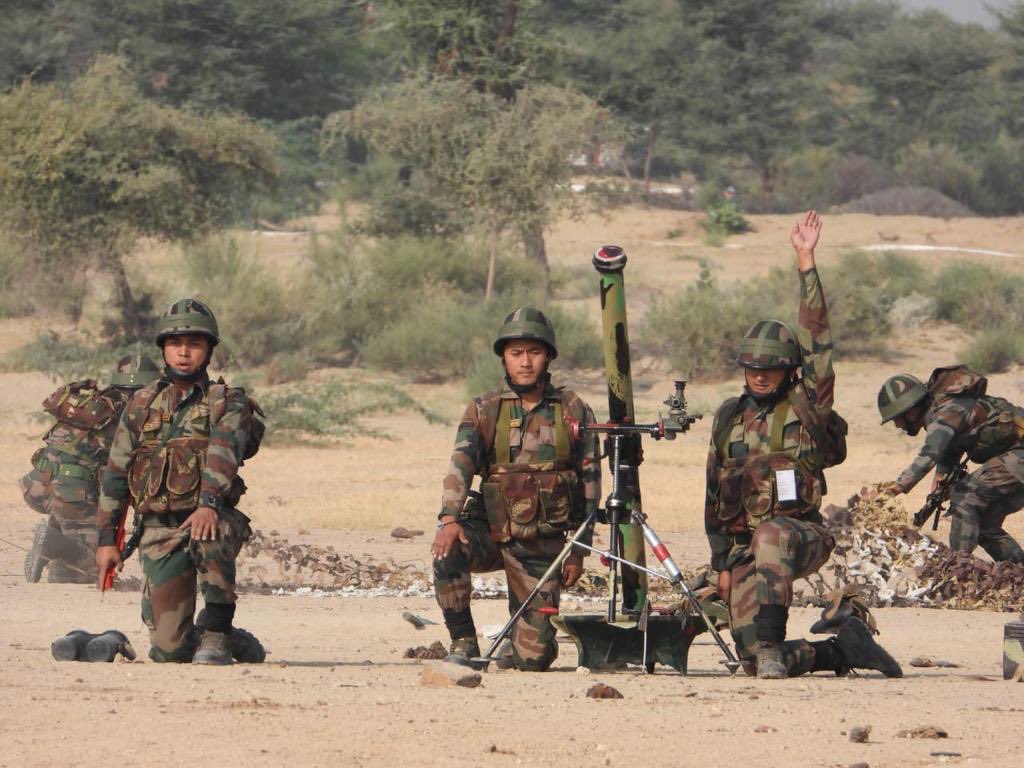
[(860, 733), (924, 661), (858, 765), (583, 671), (765, 729), (405, 533), (923, 732), (602, 691), (443, 674)]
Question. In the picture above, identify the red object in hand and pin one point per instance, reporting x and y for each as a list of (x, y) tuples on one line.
[(605, 561), (548, 610)]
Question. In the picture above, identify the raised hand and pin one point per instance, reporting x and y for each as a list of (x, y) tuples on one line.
[(804, 237)]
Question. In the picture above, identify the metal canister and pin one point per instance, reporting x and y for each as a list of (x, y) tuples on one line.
[(1013, 650)]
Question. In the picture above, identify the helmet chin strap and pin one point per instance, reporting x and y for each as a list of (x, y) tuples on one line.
[(521, 389)]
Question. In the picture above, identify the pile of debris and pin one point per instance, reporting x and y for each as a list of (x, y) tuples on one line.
[(894, 564), (271, 561)]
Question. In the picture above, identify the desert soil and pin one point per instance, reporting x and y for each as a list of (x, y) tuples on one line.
[(336, 690)]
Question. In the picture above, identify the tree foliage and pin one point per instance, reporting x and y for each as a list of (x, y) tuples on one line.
[(88, 169)]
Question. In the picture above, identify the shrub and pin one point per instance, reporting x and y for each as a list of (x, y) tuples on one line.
[(940, 167), (66, 357), (976, 296), (13, 300), (324, 411), (994, 350), (724, 218)]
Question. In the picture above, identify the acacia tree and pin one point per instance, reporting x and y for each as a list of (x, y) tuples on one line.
[(505, 163), (88, 170)]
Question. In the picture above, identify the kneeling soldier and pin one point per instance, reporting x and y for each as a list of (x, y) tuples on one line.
[(175, 457), (765, 481), (64, 483), (537, 484)]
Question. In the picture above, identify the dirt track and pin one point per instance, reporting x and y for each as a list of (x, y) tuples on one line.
[(336, 690)]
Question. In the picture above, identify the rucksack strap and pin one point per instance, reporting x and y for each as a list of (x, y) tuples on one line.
[(779, 415), (505, 423), (725, 415), (502, 444)]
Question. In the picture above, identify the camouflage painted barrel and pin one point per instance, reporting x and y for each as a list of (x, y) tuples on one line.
[(1013, 651), (609, 261)]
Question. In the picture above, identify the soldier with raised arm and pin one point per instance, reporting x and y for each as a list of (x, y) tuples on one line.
[(765, 481)]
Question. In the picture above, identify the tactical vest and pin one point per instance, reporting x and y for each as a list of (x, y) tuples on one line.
[(525, 500), (755, 487), (166, 472), (996, 425)]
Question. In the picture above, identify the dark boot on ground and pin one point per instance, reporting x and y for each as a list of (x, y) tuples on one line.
[(214, 648), (463, 650), (72, 646), (106, 646), (39, 555), (860, 651), (771, 661)]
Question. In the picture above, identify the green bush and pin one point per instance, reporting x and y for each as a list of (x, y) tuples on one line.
[(398, 210), (66, 357), (321, 412), (994, 350), (977, 296), (941, 167), (724, 218), (255, 310), (13, 299), (303, 172)]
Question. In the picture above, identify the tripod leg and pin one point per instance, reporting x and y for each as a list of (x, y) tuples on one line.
[(554, 568)]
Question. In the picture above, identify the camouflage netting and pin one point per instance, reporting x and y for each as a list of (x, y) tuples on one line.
[(270, 562), (895, 564)]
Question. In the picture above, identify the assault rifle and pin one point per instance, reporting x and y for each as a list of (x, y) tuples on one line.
[(938, 497)]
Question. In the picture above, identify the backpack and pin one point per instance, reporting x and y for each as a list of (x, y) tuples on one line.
[(828, 431), (257, 428)]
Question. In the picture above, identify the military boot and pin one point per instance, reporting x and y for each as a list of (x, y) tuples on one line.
[(771, 663), (72, 646), (39, 555), (106, 646), (245, 646), (214, 648), (464, 649), (860, 651)]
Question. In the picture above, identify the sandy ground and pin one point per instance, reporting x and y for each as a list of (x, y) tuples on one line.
[(336, 689)]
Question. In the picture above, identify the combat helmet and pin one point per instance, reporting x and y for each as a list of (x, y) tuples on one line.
[(134, 371), (187, 316), (769, 344), (526, 323), (899, 394)]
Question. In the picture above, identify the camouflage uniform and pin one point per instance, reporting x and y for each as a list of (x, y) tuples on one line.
[(204, 432), (65, 480), (960, 419), (765, 543), (537, 486)]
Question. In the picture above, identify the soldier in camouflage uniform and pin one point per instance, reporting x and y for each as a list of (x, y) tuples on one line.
[(537, 485), (65, 478), (175, 458), (765, 482), (960, 418)]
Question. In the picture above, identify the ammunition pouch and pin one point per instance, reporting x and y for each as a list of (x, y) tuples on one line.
[(748, 492), (1000, 431), (168, 480), (524, 501), (81, 405)]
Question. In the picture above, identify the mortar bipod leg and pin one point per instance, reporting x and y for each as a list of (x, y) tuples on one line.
[(555, 567), (676, 577)]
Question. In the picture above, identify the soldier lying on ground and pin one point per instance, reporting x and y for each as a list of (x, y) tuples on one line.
[(960, 418), (537, 485), (765, 480), (176, 453), (65, 478)]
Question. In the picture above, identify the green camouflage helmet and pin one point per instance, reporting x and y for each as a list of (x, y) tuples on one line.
[(184, 317), (134, 371), (769, 344), (526, 323), (899, 394)]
